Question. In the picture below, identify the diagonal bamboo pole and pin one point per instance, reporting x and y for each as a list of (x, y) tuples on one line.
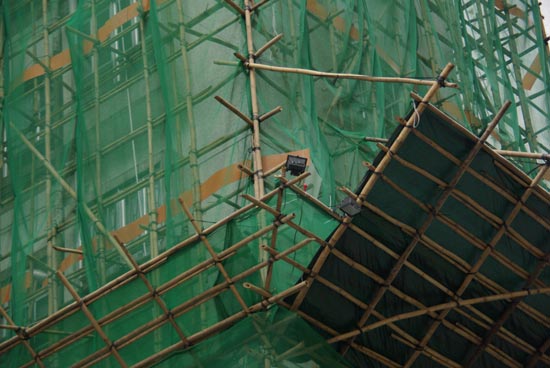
[(372, 180), (91, 318)]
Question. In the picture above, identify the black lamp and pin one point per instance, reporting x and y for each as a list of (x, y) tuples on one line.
[(296, 165), (350, 207)]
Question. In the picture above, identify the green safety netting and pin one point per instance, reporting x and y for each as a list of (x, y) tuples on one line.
[(109, 124)]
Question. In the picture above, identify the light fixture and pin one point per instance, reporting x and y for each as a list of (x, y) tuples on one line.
[(296, 165), (350, 207)]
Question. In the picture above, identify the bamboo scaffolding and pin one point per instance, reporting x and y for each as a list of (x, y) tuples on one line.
[(23, 335), (517, 175), (370, 183), (436, 208), (222, 325), (377, 279), (457, 261), (153, 264), (169, 285), (283, 255), (504, 335), (505, 315), (476, 267)]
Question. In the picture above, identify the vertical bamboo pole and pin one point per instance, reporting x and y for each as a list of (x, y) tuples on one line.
[(193, 159), (51, 261), (151, 203), (97, 118), (256, 148)]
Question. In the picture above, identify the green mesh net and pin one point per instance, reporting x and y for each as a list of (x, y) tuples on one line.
[(114, 149)]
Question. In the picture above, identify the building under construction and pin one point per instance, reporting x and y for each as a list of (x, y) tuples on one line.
[(274, 183)]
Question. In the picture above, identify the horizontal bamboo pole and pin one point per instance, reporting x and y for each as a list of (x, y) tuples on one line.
[(368, 78), (67, 250)]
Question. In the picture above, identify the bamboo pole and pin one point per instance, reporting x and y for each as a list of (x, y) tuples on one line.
[(151, 203), (256, 144), (113, 349), (176, 311), (235, 110), (436, 208), (477, 266), (533, 155), (370, 183), (422, 82), (449, 305), (273, 245)]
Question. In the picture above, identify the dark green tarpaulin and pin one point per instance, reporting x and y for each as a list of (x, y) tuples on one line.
[(452, 261)]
